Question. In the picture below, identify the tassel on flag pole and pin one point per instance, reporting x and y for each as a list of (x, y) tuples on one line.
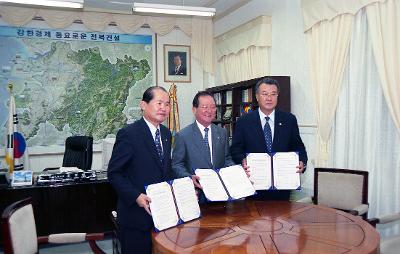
[(173, 119)]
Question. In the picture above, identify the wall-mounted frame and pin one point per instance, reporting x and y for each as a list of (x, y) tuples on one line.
[(177, 64), (22, 178)]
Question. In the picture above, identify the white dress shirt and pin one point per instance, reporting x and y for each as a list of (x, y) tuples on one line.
[(153, 130), (271, 121)]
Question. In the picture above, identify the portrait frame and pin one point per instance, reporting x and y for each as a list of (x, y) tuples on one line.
[(173, 72), (22, 178)]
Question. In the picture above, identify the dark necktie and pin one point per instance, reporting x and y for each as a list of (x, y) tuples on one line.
[(268, 135), (158, 144), (206, 144)]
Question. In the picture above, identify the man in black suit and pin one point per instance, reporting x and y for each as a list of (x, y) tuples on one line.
[(141, 156), (267, 130), (177, 68)]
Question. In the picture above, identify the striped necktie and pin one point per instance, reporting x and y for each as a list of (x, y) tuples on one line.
[(206, 144), (158, 144), (268, 135)]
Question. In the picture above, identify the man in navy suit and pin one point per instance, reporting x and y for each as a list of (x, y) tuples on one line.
[(178, 68), (281, 128), (141, 156)]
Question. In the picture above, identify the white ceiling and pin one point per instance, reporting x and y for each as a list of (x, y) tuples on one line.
[(223, 7)]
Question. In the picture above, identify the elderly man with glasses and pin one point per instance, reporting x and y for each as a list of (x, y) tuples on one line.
[(201, 144)]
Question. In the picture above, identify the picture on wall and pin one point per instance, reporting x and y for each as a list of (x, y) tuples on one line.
[(177, 64)]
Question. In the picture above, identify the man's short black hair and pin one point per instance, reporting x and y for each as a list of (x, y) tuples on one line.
[(195, 102), (148, 95), (268, 81)]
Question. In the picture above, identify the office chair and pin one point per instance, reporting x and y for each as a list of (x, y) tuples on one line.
[(78, 152), (19, 231), (389, 245), (342, 189)]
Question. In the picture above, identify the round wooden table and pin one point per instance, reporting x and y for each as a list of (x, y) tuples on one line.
[(269, 227)]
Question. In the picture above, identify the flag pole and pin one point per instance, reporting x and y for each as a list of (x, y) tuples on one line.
[(10, 132), (173, 119)]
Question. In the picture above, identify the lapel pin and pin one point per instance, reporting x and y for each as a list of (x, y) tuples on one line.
[(280, 124)]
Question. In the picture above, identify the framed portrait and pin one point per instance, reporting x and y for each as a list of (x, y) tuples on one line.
[(22, 178), (177, 64)]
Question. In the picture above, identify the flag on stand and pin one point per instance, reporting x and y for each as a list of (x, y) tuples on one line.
[(16, 154), (173, 119)]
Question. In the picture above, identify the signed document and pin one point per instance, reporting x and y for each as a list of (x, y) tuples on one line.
[(260, 170), (228, 183), (173, 203), (213, 188), (276, 172), (186, 199), (285, 167)]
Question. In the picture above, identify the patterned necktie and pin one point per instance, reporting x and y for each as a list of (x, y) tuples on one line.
[(206, 144), (158, 144), (268, 135)]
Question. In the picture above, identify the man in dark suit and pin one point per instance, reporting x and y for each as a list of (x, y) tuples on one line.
[(141, 156), (201, 144), (267, 130), (177, 68)]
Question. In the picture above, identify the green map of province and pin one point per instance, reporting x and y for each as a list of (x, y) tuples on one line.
[(100, 97)]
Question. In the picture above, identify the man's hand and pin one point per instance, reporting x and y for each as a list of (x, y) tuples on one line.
[(245, 167), (196, 182), (144, 201), (300, 167)]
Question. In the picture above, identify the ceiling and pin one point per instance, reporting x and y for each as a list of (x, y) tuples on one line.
[(223, 7)]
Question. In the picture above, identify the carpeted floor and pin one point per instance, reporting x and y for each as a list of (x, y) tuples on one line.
[(80, 248)]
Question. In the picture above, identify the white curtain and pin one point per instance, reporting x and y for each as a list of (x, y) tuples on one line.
[(364, 136), (384, 25), (249, 63), (315, 11), (200, 29), (244, 52), (328, 43)]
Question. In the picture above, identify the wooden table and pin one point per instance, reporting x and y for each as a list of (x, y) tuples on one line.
[(269, 227)]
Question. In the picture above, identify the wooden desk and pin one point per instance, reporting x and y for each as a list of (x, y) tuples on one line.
[(269, 227)]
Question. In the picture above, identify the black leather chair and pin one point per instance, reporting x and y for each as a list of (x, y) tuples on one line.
[(78, 152)]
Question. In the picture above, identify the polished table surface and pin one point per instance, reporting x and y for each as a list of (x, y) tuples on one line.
[(269, 227)]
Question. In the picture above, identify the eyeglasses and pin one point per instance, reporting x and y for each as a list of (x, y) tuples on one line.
[(269, 95), (205, 107)]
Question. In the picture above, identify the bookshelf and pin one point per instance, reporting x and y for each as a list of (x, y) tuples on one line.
[(236, 99)]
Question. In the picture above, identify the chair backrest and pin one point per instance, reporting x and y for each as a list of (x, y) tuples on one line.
[(340, 188), (78, 152), (19, 229)]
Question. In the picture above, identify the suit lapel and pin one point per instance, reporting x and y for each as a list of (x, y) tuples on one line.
[(165, 142), (149, 141), (198, 141), (259, 133), (277, 127), (216, 140)]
